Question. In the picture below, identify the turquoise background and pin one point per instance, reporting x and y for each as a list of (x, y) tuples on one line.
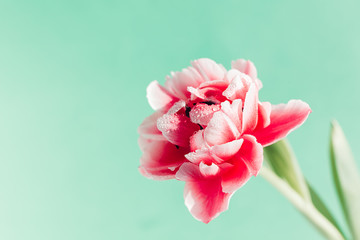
[(73, 76)]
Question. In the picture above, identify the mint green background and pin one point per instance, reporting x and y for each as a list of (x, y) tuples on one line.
[(73, 76)]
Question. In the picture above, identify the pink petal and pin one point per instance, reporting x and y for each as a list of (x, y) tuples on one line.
[(208, 170), (189, 172), (233, 111), (248, 68), (160, 158), (220, 130), (250, 112), (177, 128), (209, 91), (148, 127), (215, 84), (284, 118), (239, 85), (200, 155), (209, 69), (202, 113), (180, 81), (245, 66), (264, 114), (203, 196), (197, 141), (231, 75), (227, 150), (251, 153), (158, 96), (176, 107), (217, 154), (235, 177), (205, 199)]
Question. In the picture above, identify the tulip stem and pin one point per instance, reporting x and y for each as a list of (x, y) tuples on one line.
[(305, 207)]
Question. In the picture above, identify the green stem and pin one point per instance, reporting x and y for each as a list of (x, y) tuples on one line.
[(305, 207)]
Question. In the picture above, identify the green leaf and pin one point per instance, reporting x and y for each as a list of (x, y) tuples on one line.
[(319, 218), (321, 207), (282, 161), (346, 178)]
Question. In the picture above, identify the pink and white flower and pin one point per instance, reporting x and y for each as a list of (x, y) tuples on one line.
[(209, 130)]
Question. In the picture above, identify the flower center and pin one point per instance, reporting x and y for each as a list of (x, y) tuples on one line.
[(208, 102)]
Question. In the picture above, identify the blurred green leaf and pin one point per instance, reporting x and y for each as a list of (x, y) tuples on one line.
[(318, 215), (321, 207), (346, 178), (282, 161)]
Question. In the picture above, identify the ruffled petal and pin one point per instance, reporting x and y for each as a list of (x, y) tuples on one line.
[(201, 113), (160, 158), (178, 83), (251, 154), (220, 130), (197, 141), (217, 154), (203, 196), (177, 128), (284, 118), (209, 69), (209, 170), (250, 112), (248, 68), (263, 114), (235, 177), (233, 111), (239, 85), (227, 150), (209, 91), (245, 66), (148, 127), (201, 155), (158, 97), (189, 172)]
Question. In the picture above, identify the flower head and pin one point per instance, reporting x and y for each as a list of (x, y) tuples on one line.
[(209, 130)]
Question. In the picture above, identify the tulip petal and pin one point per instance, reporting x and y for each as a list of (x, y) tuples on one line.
[(250, 112), (158, 97), (227, 150), (160, 158), (209, 69), (209, 91), (180, 81), (203, 195), (210, 169), (220, 130), (197, 141), (205, 199), (263, 114), (201, 155), (189, 172), (148, 127), (247, 67), (284, 118), (232, 74), (202, 113), (218, 153), (239, 85), (235, 177), (177, 128), (233, 111), (251, 154)]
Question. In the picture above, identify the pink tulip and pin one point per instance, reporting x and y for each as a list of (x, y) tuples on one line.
[(209, 130)]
